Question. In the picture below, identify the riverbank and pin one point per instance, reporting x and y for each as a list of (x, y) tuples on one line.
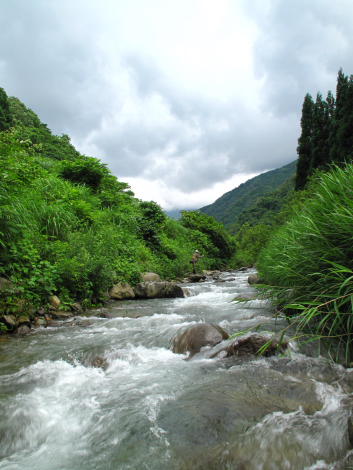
[(151, 286)]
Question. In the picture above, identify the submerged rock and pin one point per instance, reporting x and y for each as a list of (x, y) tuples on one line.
[(197, 337)]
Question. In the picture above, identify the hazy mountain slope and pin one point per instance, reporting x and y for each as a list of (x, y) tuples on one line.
[(266, 208), (228, 207)]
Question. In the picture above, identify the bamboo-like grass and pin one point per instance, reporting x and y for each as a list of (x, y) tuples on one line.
[(308, 264)]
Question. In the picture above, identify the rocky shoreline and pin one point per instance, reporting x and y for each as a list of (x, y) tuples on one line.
[(151, 286)]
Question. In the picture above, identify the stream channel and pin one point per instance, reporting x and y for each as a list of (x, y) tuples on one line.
[(113, 395)]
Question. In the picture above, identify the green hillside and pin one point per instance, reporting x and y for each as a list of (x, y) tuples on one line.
[(69, 227), (228, 207), (266, 208)]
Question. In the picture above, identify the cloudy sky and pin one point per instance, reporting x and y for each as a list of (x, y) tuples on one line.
[(183, 99)]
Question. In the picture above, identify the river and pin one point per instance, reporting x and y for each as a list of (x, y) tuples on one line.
[(113, 395)]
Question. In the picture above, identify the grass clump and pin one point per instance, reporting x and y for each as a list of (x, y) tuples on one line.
[(308, 262)]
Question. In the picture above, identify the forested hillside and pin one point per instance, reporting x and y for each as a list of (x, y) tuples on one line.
[(228, 207), (71, 228)]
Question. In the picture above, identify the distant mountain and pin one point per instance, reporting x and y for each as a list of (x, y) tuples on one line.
[(228, 207), (173, 214)]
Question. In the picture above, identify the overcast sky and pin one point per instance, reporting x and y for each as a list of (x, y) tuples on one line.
[(183, 99)]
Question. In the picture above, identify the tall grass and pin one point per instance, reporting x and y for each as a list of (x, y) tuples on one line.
[(308, 263)]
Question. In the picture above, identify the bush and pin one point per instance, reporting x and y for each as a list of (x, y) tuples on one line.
[(250, 240), (84, 170)]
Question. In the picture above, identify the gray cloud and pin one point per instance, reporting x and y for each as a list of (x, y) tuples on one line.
[(300, 48)]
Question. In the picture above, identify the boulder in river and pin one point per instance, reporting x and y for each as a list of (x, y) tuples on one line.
[(122, 291), (9, 321), (40, 321), (61, 315), (255, 279), (22, 330), (250, 346), (197, 337), (151, 290), (197, 278)]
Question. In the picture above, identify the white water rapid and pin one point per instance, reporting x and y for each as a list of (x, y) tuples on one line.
[(113, 395)]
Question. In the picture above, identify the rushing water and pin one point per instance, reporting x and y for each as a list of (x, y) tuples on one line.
[(114, 396)]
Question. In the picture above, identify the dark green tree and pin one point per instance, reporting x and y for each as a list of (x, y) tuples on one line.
[(215, 231), (150, 223), (305, 148), (345, 129), (322, 116), (5, 114), (341, 89)]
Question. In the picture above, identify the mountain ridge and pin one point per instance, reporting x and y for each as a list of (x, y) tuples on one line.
[(229, 206)]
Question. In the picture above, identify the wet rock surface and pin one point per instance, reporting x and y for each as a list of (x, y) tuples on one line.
[(163, 289), (249, 346), (121, 291), (197, 337)]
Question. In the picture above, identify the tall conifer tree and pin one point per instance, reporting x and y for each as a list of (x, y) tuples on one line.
[(322, 116), (304, 148), (345, 129), (342, 84)]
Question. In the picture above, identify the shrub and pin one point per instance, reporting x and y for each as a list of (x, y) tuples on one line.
[(250, 241), (84, 170)]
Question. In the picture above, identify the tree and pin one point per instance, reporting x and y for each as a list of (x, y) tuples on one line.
[(342, 85), (150, 223), (5, 114), (322, 115), (345, 129), (215, 231), (304, 148)]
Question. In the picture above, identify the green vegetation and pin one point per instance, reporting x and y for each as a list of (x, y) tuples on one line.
[(69, 227), (228, 207), (307, 260), (211, 236), (327, 131)]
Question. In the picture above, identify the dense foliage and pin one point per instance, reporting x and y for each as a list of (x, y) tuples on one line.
[(210, 235), (69, 227)]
